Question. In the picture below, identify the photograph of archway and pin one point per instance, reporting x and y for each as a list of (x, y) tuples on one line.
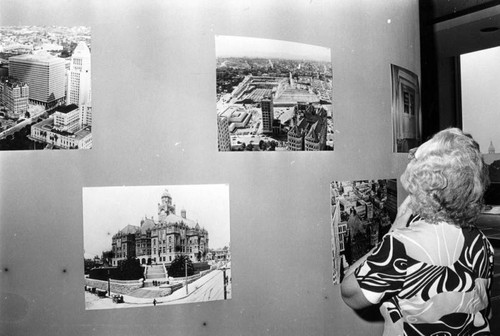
[(405, 110)]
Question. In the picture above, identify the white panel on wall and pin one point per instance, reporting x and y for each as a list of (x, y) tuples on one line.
[(153, 94)]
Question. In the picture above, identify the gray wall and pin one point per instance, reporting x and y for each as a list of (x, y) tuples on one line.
[(154, 124)]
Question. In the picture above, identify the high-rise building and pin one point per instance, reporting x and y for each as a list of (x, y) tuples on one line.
[(79, 76), (224, 139), (14, 95), (44, 74), (267, 108), (85, 115)]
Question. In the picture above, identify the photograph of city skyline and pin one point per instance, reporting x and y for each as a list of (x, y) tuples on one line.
[(362, 213), (45, 88), (273, 95), (156, 245)]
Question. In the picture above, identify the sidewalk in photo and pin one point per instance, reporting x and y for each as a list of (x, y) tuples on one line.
[(177, 295)]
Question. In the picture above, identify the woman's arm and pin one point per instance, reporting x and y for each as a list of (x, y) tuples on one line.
[(352, 294), (349, 288)]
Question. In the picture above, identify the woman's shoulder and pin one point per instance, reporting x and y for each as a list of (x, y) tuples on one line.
[(422, 225), (476, 237), (423, 229), (433, 243)]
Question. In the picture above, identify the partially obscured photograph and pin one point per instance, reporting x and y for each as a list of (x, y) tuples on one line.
[(362, 213), (480, 100)]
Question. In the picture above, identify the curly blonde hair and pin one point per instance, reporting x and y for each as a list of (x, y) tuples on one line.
[(447, 178)]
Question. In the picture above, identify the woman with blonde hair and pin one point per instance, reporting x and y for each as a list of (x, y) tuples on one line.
[(432, 272)]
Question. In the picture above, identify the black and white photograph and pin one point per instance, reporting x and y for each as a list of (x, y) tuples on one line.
[(273, 95), (45, 88), (405, 110), (156, 245), (362, 213), (490, 217), (480, 99)]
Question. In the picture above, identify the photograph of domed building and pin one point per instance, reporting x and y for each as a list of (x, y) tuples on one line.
[(139, 247)]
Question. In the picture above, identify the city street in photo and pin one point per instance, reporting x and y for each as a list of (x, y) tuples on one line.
[(362, 213), (273, 95), (45, 88), (156, 245)]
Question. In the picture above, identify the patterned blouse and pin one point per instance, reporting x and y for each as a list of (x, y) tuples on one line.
[(432, 279)]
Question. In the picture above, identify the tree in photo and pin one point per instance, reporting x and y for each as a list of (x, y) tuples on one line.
[(178, 267), (129, 269), (107, 257), (88, 265)]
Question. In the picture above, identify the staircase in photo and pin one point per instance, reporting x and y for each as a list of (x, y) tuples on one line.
[(154, 276)]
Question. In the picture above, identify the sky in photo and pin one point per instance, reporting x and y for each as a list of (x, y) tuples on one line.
[(106, 210), (238, 46)]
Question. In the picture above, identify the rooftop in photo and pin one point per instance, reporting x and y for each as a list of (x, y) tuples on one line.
[(42, 57), (296, 95), (66, 108), (83, 132)]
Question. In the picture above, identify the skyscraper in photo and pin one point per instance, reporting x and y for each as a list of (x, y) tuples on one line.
[(224, 139), (79, 76), (44, 74), (267, 108)]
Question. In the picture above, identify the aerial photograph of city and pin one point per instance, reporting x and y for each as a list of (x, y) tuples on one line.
[(148, 246), (362, 213), (45, 88), (273, 95)]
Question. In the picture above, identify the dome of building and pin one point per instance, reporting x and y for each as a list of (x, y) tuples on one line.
[(129, 229), (147, 224), (166, 194)]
